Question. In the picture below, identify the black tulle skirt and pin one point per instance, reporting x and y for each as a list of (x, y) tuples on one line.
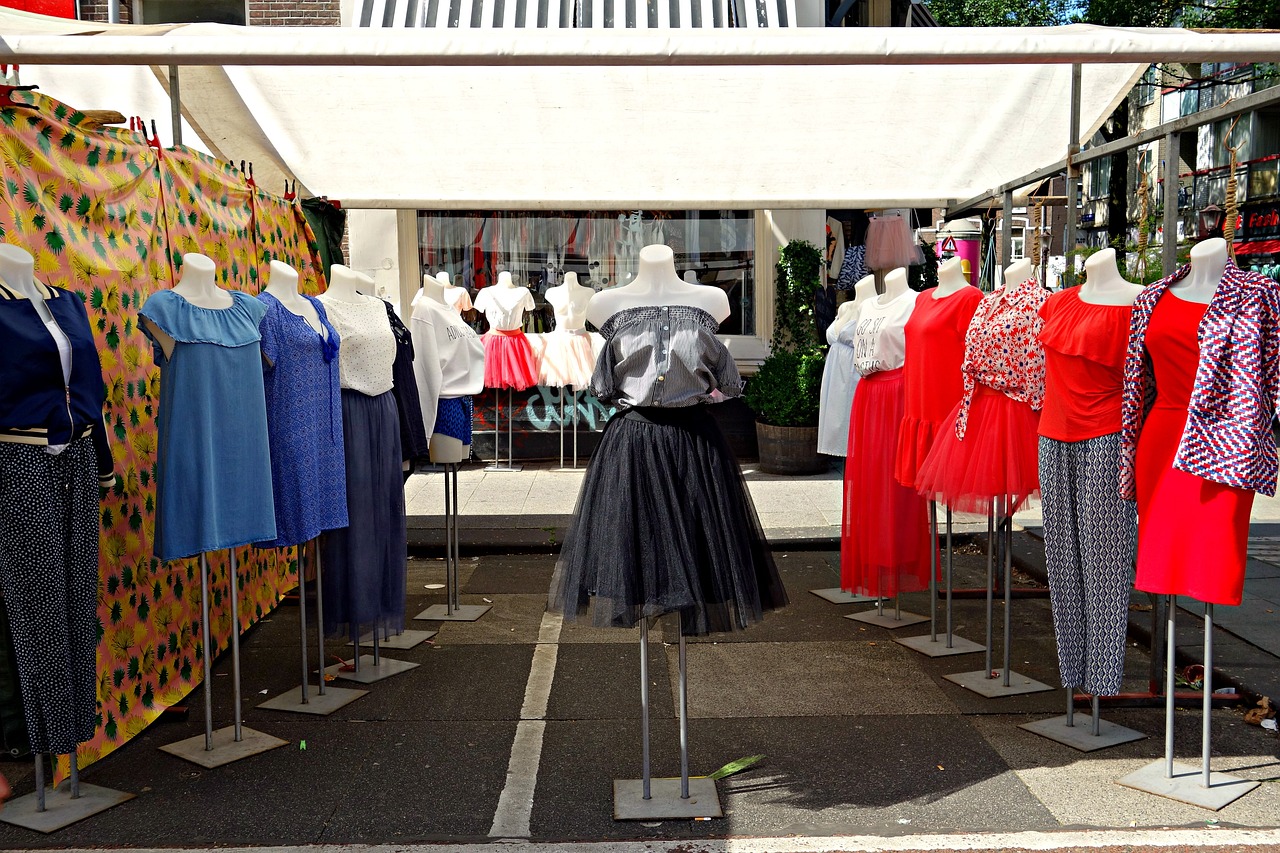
[(665, 524)]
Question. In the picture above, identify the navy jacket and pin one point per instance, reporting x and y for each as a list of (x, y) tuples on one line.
[(36, 406)]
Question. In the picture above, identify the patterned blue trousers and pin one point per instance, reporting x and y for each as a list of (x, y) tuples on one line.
[(1090, 537)]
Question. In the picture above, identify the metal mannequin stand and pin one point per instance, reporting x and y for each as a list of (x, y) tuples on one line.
[(366, 669), (1182, 782), (233, 742), (327, 699), (898, 619), (931, 645), (647, 798), (836, 595), (1099, 734), (497, 430), (564, 388), (987, 682), (451, 610), (48, 810)]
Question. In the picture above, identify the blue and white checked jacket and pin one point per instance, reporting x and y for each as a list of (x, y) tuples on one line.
[(1228, 437)]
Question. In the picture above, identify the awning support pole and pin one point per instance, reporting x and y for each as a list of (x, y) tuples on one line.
[(1006, 231), (1073, 179), (113, 11), (1169, 247), (175, 107)]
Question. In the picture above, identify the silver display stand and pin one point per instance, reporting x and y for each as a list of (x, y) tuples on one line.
[(327, 699), (1182, 782), (50, 809), (234, 742), (574, 467), (401, 640), (836, 595), (497, 432), (878, 617), (451, 610), (931, 645), (1098, 734), (647, 798), (987, 682)]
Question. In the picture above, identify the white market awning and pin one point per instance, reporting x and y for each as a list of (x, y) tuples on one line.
[(801, 118)]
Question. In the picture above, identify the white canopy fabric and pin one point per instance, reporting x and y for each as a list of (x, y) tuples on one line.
[(803, 118)]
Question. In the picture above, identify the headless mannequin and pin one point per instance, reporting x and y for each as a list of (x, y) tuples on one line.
[(1018, 272), (691, 277), (17, 269), (431, 289), (657, 284), (1103, 284), (848, 311), (951, 278), (895, 284), (197, 287), (569, 302), (1208, 262), (505, 293), (447, 450), (283, 285), (453, 296), (345, 284)]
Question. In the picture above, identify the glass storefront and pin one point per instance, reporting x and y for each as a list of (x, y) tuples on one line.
[(601, 246)]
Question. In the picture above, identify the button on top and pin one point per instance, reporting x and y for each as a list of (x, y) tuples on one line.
[(665, 328), (662, 378), (664, 308)]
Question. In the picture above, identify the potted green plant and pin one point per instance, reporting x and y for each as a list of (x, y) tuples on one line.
[(785, 391)]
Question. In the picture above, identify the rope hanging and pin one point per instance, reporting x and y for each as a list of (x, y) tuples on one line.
[(1233, 202)]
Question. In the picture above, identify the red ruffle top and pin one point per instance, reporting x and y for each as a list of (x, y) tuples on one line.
[(1084, 347)]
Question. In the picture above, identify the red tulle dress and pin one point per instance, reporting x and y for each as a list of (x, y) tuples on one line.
[(1193, 534), (934, 383)]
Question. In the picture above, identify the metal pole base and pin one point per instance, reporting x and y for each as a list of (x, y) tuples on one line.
[(888, 620), (984, 684), (60, 810), (836, 595), (370, 670), (401, 642), (1186, 785), (461, 613), (321, 705), (937, 648), (503, 466), (226, 749), (665, 802), (1080, 736)]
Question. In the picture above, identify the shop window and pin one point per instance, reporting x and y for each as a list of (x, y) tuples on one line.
[(1148, 86), (601, 246), (190, 12), (1263, 180)]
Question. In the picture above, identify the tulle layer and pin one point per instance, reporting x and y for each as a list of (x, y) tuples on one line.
[(915, 440), (891, 244), (508, 360), (564, 358), (664, 524), (997, 458)]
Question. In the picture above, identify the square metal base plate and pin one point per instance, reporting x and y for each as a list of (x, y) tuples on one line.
[(664, 802), (993, 688), (502, 466), (886, 620), (321, 706), (1224, 789), (461, 613), (400, 642), (1081, 736), (225, 747), (938, 648), (369, 673), (59, 809), (836, 595)]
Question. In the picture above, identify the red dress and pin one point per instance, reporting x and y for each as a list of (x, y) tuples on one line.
[(1193, 535), (935, 351)]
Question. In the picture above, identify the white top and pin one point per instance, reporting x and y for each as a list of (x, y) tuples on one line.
[(880, 341), (504, 307), (64, 355), (448, 357), (457, 298), (368, 346)]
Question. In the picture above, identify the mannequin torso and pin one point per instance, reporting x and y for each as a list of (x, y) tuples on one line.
[(657, 285), (1018, 272), (951, 278), (848, 312), (283, 285), (1103, 284), (197, 287), (346, 285), (431, 289), (1208, 261), (504, 304), (895, 284), (569, 302), (17, 269)]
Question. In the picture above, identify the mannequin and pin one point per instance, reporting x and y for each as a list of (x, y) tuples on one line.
[(895, 284), (1103, 284), (1019, 271), (17, 269), (848, 310), (283, 285), (455, 297), (569, 302), (504, 304), (657, 284), (197, 287), (951, 278), (431, 289), (1208, 261), (691, 277), (347, 285)]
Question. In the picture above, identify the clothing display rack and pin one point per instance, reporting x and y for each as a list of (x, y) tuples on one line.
[(497, 433), (564, 388), (452, 610), (50, 809), (931, 645)]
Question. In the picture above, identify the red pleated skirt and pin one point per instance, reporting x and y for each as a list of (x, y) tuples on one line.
[(997, 458), (508, 360), (884, 546)]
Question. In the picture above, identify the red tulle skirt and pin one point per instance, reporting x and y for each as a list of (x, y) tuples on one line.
[(884, 546), (997, 458), (915, 440), (508, 360)]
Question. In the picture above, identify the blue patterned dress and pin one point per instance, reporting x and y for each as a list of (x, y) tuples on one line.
[(304, 421)]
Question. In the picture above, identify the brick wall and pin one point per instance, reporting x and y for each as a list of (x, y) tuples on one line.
[(294, 13), (96, 10)]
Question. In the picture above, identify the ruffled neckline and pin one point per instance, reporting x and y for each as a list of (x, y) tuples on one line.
[(652, 313), (233, 326), (1078, 328)]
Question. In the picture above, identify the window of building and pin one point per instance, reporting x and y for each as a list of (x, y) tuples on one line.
[(601, 246), (190, 12), (1148, 86)]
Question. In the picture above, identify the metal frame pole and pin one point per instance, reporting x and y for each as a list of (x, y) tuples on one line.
[(575, 427), (1206, 700), (1006, 231), (317, 562), (40, 806), (1171, 646), (1008, 591), (235, 645), (644, 706), (448, 541), (1071, 706), (175, 105), (74, 760), (302, 618), (457, 537), (1073, 177), (684, 717), (511, 456), (933, 571), (991, 583), (950, 555), (1169, 246), (561, 426), (206, 640), (497, 431)]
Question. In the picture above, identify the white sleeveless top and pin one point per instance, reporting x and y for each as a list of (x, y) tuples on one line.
[(879, 340)]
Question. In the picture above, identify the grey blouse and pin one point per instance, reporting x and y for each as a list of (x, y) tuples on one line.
[(666, 357)]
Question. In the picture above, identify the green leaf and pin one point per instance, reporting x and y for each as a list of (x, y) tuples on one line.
[(736, 766), (53, 239), (64, 202)]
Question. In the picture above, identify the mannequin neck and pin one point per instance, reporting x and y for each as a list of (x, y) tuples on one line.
[(950, 278), (197, 284), (1208, 263), (574, 286), (17, 270), (1017, 272), (432, 289), (1103, 284), (344, 285), (505, 281), (895, 284), (657, 284)]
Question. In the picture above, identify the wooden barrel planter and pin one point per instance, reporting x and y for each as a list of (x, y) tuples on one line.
[(790, 450)]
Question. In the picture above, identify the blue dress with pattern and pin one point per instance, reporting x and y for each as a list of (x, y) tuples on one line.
[(304, 419)]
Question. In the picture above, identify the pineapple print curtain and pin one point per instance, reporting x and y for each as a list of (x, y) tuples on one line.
[(109, 218)]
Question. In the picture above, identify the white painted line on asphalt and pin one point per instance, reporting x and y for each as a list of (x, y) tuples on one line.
[(1119, 839), (515, 804)]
